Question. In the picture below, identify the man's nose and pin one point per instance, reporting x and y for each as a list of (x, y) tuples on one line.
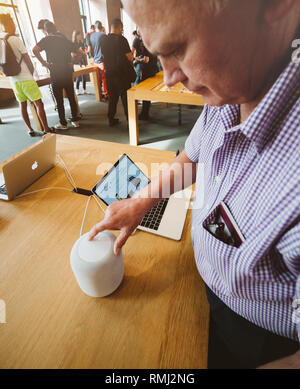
[(173, 76)]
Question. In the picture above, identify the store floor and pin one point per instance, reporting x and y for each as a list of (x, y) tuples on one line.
[(161, 132)]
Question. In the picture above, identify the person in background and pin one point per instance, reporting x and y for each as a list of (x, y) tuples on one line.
[(24, 86), (58, 50), (41, 27), (148, 69), (243, 155), (137, 54), (87, 40), (95, 50), (119, 69), (79, 59)]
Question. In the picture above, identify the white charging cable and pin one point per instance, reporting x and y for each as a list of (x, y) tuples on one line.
[(99, 204), (84, 215), (85, 211), (68, 174), (41, 190)]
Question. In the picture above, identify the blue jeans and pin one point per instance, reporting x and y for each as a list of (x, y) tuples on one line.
[(139, 74)]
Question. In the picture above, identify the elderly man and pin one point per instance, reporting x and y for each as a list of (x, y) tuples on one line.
[(239, 56)]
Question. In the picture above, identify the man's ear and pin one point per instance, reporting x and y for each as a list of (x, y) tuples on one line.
[(277, 9)]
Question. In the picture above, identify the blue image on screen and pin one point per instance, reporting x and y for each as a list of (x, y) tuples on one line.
[(122, 182)]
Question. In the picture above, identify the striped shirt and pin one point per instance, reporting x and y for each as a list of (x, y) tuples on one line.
[(254, 168)]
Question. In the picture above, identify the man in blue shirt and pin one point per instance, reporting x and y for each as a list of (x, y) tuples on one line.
[(94, 49)]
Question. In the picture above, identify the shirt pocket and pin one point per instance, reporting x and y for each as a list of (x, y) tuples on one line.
[(223, 259)]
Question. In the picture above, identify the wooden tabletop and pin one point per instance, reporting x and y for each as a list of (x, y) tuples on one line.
[(154, 89), (158, 317), (45, 79)]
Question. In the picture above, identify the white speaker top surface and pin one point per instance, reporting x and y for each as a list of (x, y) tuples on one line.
[(97, 249)]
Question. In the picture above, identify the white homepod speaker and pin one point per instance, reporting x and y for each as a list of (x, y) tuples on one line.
[(97, 269)]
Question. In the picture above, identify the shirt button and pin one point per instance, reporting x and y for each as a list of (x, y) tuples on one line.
[(207, 207), (218, 179)]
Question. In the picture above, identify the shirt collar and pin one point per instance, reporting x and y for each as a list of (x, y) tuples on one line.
[(264, 121)]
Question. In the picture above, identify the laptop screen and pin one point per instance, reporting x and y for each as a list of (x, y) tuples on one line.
[(122, 181)]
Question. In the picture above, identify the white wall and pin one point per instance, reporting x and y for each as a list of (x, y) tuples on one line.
[(129, 26), (98, 12)]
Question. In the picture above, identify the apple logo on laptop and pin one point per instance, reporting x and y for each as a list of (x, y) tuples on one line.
[(34, 166)]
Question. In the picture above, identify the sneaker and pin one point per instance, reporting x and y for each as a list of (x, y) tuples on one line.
[(60, 126), (36, 133), (75, 124), (79, 117), (78, 93), (85, 92)]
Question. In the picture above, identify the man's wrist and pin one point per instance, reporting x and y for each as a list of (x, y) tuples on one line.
[(146, 201)]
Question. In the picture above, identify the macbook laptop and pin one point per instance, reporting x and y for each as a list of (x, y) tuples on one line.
[(166, 219), (27, 167)]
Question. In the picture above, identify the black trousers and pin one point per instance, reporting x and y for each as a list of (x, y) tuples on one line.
[(116, 89), (236, 343), (83, 79), (57, 87)]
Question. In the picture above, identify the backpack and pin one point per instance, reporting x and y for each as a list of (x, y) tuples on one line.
[(9, 65)]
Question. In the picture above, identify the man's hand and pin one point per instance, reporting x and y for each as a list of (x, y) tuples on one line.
[(291, 362), (124, 215), (37, 52)]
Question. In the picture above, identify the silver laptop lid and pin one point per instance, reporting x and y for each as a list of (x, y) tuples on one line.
[(29, 166)]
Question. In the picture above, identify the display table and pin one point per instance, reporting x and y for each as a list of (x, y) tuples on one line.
[(157, 318), (154, 89)]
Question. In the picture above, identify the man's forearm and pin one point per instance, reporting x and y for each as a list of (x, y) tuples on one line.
[(37, 53), (178, 176)]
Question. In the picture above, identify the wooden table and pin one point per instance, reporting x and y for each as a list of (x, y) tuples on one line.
[(154, 89), (158, 317), (45, 80)]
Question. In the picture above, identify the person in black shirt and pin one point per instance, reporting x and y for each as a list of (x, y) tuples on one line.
[(58, 50), (41, 27), (119, 69)]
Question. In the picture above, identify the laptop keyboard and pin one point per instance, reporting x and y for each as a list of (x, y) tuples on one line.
[(153, 218), (3, 189)]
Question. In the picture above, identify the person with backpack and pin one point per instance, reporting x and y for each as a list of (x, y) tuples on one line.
[(58, 50), (16, 64)]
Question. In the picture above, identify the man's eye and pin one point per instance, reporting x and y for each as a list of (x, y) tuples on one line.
[(176, 53), (169, 55)]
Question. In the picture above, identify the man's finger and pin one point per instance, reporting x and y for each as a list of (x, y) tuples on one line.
[(104, 225), (120, 241)]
